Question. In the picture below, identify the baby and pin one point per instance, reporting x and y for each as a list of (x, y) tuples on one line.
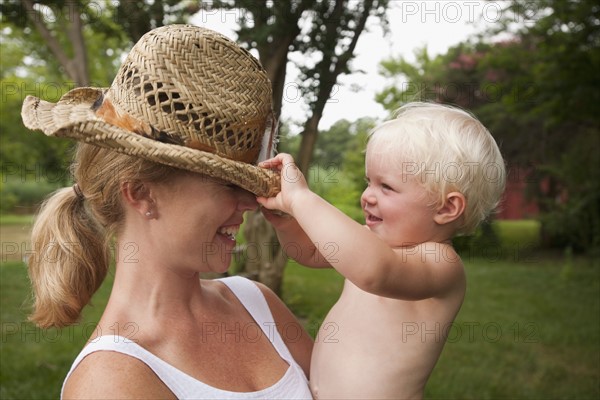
[(433, 172)]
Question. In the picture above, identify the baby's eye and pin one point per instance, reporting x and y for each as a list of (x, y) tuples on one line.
[(385, 186)]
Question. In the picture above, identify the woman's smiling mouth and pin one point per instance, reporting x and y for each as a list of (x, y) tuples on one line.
[(229, 231)]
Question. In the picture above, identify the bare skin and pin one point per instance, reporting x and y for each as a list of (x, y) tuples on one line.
[(386, 332), (159, 301)]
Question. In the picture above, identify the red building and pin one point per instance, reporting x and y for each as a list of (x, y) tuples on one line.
[(515, 204)]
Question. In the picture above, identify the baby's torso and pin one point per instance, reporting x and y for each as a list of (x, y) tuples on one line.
[(374, 347)]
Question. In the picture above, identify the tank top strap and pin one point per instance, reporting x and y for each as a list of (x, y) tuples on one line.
[(254, 301), (170, 375), (292, 385)]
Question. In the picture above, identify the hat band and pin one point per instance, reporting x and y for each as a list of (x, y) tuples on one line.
[(107, 111)]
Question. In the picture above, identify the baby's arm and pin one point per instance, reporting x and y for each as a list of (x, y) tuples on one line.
[(294, 241), (412, 273)]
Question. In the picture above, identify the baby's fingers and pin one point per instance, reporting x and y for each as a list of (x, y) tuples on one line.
[(272, 163), (277, 162), (270, 203)]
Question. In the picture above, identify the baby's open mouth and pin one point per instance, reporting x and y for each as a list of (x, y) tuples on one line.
[(372, 218)]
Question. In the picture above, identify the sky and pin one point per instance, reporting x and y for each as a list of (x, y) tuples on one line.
[(437, 24)]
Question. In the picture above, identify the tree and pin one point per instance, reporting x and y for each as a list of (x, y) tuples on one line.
[(39, 58), (330, 32), (336, 28), (537, 93), (338, 170), (326, 33), (65, 26), (50, 47), (272, 28)]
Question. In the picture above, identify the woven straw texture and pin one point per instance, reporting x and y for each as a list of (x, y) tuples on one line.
[(185, 96)]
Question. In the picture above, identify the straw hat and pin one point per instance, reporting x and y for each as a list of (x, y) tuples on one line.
[(186, 97)]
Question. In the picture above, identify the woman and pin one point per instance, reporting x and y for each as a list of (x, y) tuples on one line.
[(166, 169)]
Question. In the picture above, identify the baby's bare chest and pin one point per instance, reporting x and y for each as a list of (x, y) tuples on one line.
[(367, 345)]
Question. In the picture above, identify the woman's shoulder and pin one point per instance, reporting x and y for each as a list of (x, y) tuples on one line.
[(109, 374)]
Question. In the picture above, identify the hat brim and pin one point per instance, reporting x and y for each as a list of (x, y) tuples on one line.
[(73, 116)]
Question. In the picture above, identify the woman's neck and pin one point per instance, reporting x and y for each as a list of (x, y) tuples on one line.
[(150, 291)]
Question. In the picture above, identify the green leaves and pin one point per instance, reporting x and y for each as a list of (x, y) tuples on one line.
[(538, 93)]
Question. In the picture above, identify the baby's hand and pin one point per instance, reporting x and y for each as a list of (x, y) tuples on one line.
[(293, 183), (278, 219)]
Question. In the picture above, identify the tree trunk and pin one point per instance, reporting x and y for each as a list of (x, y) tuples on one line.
[(329, 69), (264, 258), (274, 60), (76, 67), (80, 62), (307, 145), (274, 56)]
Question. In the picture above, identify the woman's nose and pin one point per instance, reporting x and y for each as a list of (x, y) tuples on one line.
[(247, 201)]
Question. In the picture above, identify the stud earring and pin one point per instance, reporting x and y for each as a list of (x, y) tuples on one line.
[(148, 214)]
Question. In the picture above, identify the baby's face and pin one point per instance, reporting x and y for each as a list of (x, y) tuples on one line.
[(396, 205)]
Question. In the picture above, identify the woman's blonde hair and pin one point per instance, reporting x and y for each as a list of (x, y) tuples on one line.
[(71, 235), (446, 149)]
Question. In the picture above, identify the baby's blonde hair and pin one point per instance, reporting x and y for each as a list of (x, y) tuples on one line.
[(71, 237), (446, 149)]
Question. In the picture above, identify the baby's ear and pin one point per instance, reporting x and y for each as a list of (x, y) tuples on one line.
[(452, 209)]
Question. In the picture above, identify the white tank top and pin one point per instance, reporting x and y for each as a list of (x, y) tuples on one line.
[(293, 384)]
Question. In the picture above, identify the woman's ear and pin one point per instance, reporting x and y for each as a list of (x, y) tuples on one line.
[(138, 196), (452, 209)]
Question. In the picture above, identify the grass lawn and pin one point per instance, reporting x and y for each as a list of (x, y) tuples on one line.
[(15, 219), (528, 329), (34, 362)]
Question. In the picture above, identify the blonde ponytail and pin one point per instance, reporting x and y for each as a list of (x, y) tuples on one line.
[(70, 260), (72, 232)]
